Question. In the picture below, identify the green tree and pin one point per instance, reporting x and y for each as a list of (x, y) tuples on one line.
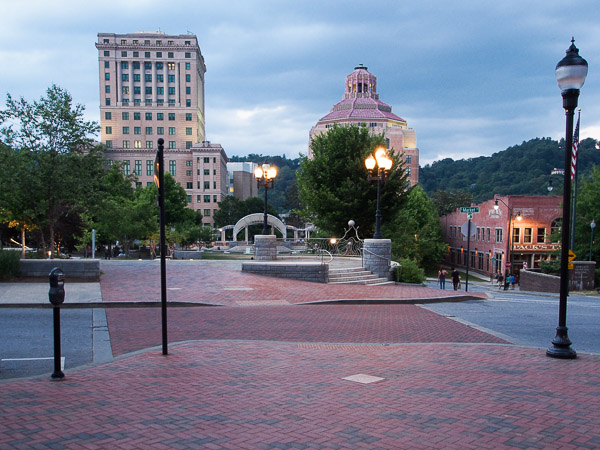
[(588, 209), (416, 232), (448, 202), (333, 186), (53, 163)]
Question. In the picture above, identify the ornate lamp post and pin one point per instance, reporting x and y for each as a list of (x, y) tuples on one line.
[(384, 164), (265, 177), (592, 226), (570, 75)]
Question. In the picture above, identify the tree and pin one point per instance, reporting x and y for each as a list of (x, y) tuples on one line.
[(447, 202), (588, 209), (334, 186), (53, 163)]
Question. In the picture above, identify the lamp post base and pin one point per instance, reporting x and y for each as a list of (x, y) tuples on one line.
[(561, 345)]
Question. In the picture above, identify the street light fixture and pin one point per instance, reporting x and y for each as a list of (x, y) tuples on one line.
[(510, 242), (570, 75), (383, 162), (265, 177)]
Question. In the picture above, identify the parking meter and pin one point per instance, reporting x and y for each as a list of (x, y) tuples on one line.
[(57, 286)]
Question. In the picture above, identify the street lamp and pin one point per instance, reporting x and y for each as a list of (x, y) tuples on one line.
[(592, 226), (510, 242), (265, 177), (570, 75), (383, 162)]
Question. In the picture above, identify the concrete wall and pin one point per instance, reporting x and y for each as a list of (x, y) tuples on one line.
[(88, 269), (581, 279), (377, 257), (316, 272)]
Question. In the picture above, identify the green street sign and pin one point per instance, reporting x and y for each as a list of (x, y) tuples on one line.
[(469, 209)]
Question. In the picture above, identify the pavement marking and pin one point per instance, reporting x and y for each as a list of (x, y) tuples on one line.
[(363, 379), (173, 289), (62, 360), (237, 288)]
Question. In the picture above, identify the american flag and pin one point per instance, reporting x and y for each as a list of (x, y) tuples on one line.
[(575, 149)]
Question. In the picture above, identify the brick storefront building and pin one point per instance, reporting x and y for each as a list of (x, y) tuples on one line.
[(531, 220)]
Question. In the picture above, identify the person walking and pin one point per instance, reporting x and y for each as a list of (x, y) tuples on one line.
[(455, 279), (442, 277)]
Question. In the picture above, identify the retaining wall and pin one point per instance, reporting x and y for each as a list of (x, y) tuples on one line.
[(316, 272), (87, 269)]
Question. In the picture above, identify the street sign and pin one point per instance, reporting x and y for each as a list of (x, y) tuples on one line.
[(570, 266), (572, 255), (469, 216), (507, 265), (469, 209), (465, 229)]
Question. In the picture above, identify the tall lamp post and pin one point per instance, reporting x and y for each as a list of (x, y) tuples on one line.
[(510, 242), (265, 177), (592, 226), (383, 162), (570, 75)]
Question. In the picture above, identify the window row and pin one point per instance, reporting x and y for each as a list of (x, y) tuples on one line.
[(148, 101), (146, 42), (150, 130), (135, 54), (136, 65), (160, 78), (148, 116), (149, 144)]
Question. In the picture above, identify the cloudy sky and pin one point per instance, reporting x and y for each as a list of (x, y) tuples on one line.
[(471, 77)]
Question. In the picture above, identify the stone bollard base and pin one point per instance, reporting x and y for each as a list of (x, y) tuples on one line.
[(265, 247), (377, 256)]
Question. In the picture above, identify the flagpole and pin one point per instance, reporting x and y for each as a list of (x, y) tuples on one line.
[(575, 152)]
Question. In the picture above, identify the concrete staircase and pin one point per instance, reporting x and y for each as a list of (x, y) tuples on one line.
[(355, 275)]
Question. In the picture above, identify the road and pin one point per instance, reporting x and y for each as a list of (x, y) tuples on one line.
[(529, 319)]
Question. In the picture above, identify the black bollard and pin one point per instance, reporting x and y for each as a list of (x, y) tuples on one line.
[(56, 295)]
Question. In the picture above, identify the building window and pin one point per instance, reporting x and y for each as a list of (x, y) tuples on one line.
[(171, 101), (149, 167), (188, 78), (148, 130), (149, 144), (125, 90), (108, 130), (170, 55), (498, 235), (170, 42), (147, 65), (160, 78), (107, 76), (136, 77), (136, 64), (489, 234), (188, 117), (160, 130), (123, 41), (159, 55), (125, 144), (171, 66), (125, 130), (188, 66), (137, 90), (107, 115), (160, 116), (160, 90), (188, 54), (148, 116), (207, 199), (107, 89), (214, 199), (138, 167), (106, 53), (126, 168), (137, 144), (206, 160), (123, 54), (527, 235), (189, 185), (106, 65), (148, 77), (172, 144), (516, 237), (207, 185), (172, 131), (171, 91), (189, 199), (206, 171), (148, 91), (188, 90), (124, 65), (171, 78), (125, 116), (171, 116), (188, 131), (541, 235), (137, 130), (108, 144), (149, 183), (188, 144), (206, 213), (408, 159), (198, 198), (137, 116), (188, 173), (173, 168)]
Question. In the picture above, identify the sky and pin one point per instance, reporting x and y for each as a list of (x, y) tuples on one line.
[(470, 77)]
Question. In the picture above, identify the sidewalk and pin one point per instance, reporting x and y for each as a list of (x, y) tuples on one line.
[(260, 372)]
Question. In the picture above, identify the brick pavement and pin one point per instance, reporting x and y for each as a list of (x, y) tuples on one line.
[(235, 394)]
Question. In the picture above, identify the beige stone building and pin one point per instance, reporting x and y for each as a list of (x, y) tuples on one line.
[(151, 87), (361, 106)]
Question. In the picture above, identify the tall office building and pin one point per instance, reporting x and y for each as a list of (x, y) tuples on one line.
[(151, 87), (361, 106)]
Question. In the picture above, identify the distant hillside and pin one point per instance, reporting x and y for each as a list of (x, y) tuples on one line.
[(519, 170)]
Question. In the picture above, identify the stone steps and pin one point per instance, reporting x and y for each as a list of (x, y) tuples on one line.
[(355, 275)]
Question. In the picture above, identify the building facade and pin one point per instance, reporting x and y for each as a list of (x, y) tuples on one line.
[(151, 87), (507, 234), (242, 183), (361, 106)]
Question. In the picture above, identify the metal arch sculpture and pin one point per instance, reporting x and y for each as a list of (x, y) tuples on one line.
[(258, 218)]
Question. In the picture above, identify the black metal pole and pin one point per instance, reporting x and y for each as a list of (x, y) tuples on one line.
[(58, 373), (509, 244), (163, 246), (468, 255), (266, 184), (377, 234), (561, 344), (591, 242)]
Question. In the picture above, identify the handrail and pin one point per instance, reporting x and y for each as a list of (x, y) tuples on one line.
[(374, 254)]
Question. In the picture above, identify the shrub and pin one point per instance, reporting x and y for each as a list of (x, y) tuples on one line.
[(9, 264), (550, 267), (408, 272), (597, 278)]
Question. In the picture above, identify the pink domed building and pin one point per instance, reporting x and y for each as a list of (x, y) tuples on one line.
[(361, 106)]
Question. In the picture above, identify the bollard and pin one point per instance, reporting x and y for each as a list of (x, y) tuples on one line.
[(56, 295)]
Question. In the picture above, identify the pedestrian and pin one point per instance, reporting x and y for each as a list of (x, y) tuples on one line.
[(500, 280), (442, 277), (512, 281), (455, 279)]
